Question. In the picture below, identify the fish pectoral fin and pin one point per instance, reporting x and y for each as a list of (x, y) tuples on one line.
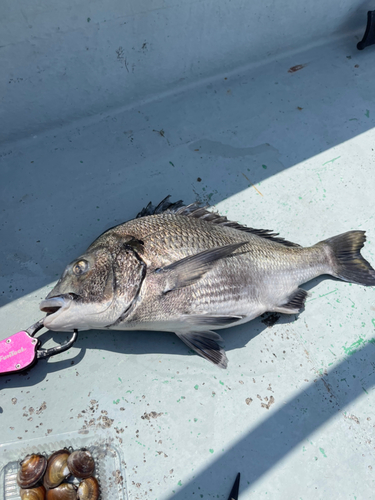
[(190, 269), (294, 304), (205, 344)]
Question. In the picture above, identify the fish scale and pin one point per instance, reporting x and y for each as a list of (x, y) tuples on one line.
[(189, 271)]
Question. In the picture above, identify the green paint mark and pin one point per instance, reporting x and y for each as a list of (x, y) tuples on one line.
[(179, 483), (355, 346), (196, 387), (171, 164), (324, 295), (80, 161), (353, 304), (365, 390), (195, 420), (367, 114), (120, 379), (264, 166), (88, 19), (331, 161), (211, 450), (220, 382), (116, 402), (373, 321)]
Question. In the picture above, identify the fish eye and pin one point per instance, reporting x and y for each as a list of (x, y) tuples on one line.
[(80, 267)]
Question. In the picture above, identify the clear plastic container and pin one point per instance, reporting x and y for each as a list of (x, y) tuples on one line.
[(109, 463)]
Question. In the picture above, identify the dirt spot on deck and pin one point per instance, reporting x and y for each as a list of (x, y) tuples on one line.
[(295, 68)]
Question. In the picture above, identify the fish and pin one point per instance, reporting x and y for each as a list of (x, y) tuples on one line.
[(188, 270)]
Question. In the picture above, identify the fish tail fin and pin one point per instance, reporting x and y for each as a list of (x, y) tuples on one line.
[(346, 259)]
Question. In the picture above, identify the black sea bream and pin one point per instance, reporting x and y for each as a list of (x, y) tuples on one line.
[(186, 270)]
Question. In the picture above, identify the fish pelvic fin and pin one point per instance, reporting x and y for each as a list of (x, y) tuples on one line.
[(205, 344), (294, 304), (190, 269), (346, 259)]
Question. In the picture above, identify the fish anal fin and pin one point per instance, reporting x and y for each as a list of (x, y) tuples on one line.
[(205, 344), (190, 269), (294, 304)]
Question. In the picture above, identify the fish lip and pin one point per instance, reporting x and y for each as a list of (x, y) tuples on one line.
[(55, 305)]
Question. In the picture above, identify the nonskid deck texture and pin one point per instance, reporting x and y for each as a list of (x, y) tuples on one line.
[(271, 147)]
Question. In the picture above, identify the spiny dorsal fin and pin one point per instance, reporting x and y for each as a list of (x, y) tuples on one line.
[(200, 212), (164, 206)]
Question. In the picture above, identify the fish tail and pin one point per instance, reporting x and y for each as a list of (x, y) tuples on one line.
[(346, 260)]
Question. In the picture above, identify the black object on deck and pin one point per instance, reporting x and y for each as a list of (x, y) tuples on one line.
[(234, 492), (369, 36)]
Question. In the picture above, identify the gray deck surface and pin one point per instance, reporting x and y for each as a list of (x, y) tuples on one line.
[(294, 411)]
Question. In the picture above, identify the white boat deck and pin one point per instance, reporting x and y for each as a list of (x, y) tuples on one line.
[(270, 147)]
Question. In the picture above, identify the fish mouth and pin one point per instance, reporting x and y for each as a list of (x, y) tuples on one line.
[(59, 303)]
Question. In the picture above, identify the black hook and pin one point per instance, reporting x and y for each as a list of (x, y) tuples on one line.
[(44, 353)]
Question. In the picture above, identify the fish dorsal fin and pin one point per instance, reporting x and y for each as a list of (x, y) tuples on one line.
[(164, 206), (200, 212), (189, 270)]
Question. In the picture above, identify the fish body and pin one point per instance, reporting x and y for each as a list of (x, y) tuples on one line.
[(189, 271)]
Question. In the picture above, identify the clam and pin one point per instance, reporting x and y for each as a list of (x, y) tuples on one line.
[(65, 491), (57, 469), (81, 464), (38, 493), (31, 470), (88, 489)]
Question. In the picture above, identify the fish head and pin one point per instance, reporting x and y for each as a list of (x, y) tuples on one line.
[(95, 289)]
